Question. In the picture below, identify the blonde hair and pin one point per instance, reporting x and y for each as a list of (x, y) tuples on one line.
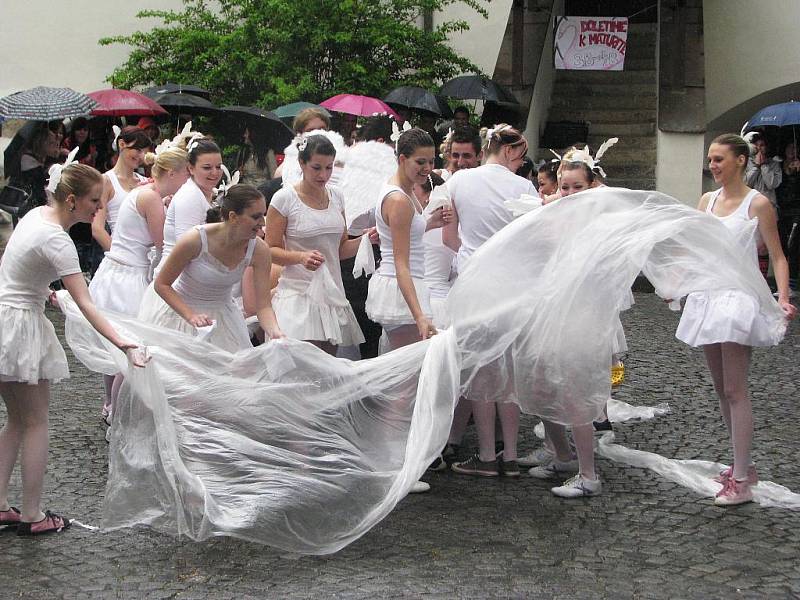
[(77, 179), (167, 160), (502, 135), (305, 116)]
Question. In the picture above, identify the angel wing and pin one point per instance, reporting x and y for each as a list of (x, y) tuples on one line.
[(369, 165)]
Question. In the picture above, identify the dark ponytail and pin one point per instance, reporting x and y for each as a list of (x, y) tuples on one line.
[(236, 200)]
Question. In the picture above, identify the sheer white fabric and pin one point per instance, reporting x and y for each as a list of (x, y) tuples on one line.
[(285, 445)]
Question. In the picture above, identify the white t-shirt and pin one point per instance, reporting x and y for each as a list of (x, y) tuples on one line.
[(478, 195), (187, 209), (38, 253)]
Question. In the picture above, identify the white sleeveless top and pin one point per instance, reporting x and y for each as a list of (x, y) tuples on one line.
[(187, 209), (206, 280), (740, 224), (438, 264), (130, 240), (479, 195), (416, 258), (120, 193)]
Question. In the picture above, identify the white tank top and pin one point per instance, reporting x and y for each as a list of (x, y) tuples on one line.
[(206, 281), (416, 258), (438, 264), (739, 223), (112, 208), (131, 240)]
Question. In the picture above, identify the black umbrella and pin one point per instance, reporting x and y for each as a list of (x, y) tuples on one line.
[(46, 104), (417, 98), (186, 104), (264, 124), (176, 88), (475, 87)]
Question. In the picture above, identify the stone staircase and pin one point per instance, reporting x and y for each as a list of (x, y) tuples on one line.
[(616, 103)]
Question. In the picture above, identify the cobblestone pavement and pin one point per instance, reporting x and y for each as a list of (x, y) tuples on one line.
[(468, 538)]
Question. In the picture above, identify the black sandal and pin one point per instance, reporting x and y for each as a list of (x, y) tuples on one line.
[(10, 518), (52, 523)]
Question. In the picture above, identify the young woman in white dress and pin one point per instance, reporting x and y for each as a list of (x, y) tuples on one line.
[(195, 283), (307, 235), (124, 274), (398, 296), (478, 197), (192, 201), (132, 144), (38, 252), (727, 324)]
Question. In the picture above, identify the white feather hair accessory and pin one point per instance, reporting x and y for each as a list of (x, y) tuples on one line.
[(582, 155), (117, 130), (226, 184), (396, 133), (56, 170)]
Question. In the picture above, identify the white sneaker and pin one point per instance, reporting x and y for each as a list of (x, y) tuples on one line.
[(578, 486), (540, 456), (555, 468), (419, 487)]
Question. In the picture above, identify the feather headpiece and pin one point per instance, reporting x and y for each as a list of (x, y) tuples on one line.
[(56, 170), (582, 155), (226, 184), (396, 133)]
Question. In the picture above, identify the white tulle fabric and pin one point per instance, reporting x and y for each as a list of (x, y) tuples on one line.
[(29, 347), (285, 445)]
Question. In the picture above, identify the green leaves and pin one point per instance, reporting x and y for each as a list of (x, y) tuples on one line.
[(271, 52)]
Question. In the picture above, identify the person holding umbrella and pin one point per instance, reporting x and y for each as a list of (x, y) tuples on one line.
[(79, 138)]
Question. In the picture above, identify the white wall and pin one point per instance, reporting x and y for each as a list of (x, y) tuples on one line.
[(679, 171), (750, 48), (481, 43), (54, 42), (543, 87)]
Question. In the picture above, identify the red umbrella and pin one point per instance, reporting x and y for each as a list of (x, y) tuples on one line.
[(363, 106), (123, 103)]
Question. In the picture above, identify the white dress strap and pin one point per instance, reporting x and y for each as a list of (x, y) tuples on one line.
[(203, 239), (251, 247), (745, 205), (713, 201)]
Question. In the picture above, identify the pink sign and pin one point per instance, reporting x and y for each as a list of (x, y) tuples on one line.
[(590, 43)]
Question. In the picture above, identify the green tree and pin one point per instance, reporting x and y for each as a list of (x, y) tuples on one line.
[(271, 52)]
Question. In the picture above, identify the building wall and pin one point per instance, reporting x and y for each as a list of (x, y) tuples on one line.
[(750, 49), (481, 43), (679, 170), (59, 47)]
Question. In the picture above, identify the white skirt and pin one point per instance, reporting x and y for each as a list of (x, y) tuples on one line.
[(229, 331), (386, 305), (29, 348), (725, 316), (300, 318), (118, 287)]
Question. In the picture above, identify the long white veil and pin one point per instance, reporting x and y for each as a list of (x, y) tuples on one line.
[(285, 445)]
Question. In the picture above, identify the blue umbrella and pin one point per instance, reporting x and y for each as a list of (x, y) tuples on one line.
[(777, 115)]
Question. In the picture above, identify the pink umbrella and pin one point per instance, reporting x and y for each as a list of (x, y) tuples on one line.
[(363, 106), (123, 103)]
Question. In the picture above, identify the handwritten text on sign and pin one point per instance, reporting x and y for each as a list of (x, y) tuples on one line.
[(591, 43)]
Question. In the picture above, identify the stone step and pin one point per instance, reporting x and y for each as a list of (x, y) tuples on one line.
[(606, 77), (621, 130), (608, 88), (635, 63), (634, 184), (582, 104), (630, 146), (605, 116)]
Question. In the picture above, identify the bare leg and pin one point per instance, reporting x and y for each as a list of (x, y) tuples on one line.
[(28, 404), (108, 384), (325, 346), (713, 354), (509, 421), (402, 336), (461, 415), (117, 385), (484, 415), (557, 436), (736, 365), (10, 440), (584, 445)]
